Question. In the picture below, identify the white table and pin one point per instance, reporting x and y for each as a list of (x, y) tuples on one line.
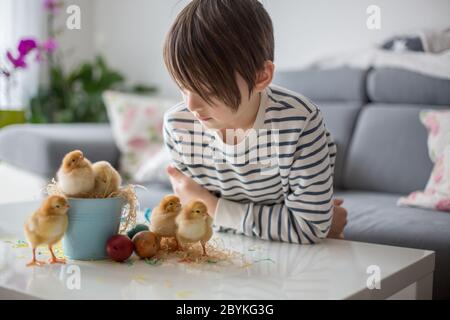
[(330, 270)]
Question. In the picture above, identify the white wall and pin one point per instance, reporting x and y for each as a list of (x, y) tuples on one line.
[(130, 33), (305, 30), (78, 44)]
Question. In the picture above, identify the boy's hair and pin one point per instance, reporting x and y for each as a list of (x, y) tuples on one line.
[(211, 40)]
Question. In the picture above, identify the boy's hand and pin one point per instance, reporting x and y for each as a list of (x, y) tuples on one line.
[(187, 189), (339, 220)]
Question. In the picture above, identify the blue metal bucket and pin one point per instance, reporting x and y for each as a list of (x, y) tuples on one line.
[(91, 223)]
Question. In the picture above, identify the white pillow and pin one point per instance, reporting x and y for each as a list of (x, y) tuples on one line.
[(137, 124), (436, 195), (437, 123)]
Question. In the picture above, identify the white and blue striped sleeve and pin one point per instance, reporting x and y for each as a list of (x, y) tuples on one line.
[(305, 215), (170, 141)]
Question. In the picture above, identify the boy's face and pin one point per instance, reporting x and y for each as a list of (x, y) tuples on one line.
[(217, 115)]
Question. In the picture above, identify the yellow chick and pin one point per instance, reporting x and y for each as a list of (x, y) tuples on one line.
[(107, 179), (194, 224), (76, 176), (162, 219), (47, 226)]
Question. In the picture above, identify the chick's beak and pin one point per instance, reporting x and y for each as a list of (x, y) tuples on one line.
[(78, 160)]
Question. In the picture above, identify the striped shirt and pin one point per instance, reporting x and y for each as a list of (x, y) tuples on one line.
[(277, 182)]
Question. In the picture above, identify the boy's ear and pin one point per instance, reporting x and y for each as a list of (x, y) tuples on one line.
[(265, 76)]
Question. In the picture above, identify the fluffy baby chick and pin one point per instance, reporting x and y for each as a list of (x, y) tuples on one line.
[(47, 226), (194, 224), (107, 179), (162, 219), (76, 176)]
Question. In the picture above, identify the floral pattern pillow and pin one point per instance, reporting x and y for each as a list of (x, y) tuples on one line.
[(436, 195), (438, 126), (137, 124)]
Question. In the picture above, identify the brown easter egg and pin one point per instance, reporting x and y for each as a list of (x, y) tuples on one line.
[(146, 244)]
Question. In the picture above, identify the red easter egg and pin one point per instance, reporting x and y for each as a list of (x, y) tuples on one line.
[(119, 248)]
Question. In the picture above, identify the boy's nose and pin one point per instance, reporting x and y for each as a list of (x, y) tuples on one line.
[(193, 101)]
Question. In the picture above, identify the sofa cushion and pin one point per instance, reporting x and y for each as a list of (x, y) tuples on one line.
[(388, 152), (340, 121), (375, 218), (40, 148), (403, 86), (340, 84)]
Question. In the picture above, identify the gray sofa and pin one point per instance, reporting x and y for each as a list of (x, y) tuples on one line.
[(382, 153)]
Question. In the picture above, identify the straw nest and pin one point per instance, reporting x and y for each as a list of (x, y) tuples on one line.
[(217, 253)]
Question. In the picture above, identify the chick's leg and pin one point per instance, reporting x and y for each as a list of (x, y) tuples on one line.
[(204, 248), (53, 259), (178, 247), (34, 261), (179, 244)]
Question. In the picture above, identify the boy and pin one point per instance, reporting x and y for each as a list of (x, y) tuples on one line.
[(221, 53)]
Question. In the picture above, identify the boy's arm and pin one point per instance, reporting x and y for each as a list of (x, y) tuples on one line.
[(173, 148), (305, 215)]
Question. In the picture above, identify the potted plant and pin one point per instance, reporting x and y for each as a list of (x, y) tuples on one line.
[(68, 95)]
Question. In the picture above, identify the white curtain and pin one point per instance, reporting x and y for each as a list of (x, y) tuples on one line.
[(19, 19)]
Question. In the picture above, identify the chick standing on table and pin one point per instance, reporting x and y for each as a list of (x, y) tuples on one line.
[(107, 179), (162, 219), (76, 176), (47, 225), (194, 224)]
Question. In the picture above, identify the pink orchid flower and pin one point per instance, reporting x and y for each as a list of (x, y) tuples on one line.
[(18, 62), (50, 45), (53, 6), (26, 45)]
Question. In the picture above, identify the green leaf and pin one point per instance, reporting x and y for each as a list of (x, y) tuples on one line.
[(143, 89)]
